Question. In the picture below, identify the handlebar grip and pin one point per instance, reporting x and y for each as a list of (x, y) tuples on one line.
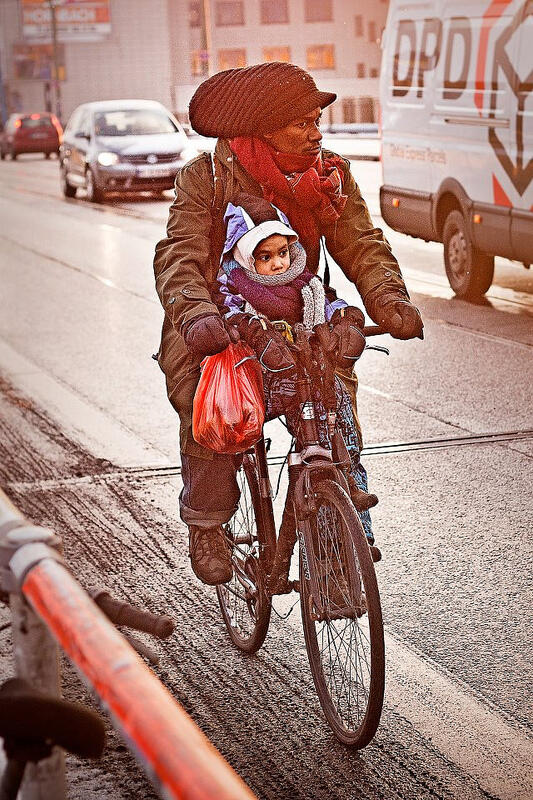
[(120, 612)]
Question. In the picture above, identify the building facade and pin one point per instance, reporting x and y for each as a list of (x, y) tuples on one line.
[(162, 49)]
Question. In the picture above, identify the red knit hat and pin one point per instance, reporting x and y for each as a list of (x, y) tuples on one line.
[(254, 100)]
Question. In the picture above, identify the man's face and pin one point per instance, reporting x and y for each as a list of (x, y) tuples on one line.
[(301, 136)]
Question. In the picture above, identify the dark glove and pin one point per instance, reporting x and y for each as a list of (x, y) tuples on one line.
[(347, 327), (205, 335), (267, 343), (399, 317)]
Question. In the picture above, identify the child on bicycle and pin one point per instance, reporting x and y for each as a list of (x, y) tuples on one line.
[(263, 278)]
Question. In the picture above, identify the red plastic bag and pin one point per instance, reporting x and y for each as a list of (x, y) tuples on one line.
[(229, 406)]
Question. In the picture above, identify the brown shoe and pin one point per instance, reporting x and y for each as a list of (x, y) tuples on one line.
[(362, 500), (210, 555), (375, 552)]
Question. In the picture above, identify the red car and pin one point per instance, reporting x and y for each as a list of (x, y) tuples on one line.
[(31, 133)]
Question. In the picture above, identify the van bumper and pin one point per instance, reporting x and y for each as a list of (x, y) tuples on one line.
[(408, 211)]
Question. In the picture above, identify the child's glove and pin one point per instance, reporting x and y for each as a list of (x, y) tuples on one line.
[(398, 316), (205, 335), (265, 341), (347, 326)]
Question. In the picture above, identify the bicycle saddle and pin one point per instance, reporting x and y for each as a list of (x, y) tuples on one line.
[(31, 721)]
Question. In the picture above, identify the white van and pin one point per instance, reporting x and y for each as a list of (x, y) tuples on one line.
[(457, 128)]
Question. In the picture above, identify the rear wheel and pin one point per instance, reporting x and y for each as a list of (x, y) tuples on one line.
[(243, 601), (341, 616), (13, 153), (47, 155), (94, 193), (469, 271)]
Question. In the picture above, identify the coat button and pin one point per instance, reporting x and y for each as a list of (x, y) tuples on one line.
[(186, 291), (172, 300), (388, 274)]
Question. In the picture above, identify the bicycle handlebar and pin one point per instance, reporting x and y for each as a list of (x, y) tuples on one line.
[(120, 612), (373, 330), (28, 716)]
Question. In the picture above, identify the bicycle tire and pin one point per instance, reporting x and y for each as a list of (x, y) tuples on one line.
[(244, 602), (346, 654)]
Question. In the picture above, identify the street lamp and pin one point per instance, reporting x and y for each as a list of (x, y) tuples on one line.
[(57, 90)]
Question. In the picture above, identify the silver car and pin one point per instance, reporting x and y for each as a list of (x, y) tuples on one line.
[(122, 146)]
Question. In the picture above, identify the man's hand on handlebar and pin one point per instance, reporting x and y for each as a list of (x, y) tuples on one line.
[(399, 317), (267, 343), (205, 335)]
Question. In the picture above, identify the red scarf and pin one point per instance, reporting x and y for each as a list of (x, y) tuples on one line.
[(308, 189)]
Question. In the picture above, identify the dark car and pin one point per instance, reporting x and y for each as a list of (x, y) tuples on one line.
[(122, 146), (30, 133)]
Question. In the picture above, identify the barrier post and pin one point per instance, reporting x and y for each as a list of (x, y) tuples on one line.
[(36, 653)]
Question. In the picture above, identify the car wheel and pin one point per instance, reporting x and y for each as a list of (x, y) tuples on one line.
[(13, 153), (469, 271), (2, 155), (47, 155), (94, 193), (67, 188)]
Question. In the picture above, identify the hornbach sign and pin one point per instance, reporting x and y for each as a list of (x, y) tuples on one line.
[(76, 20)]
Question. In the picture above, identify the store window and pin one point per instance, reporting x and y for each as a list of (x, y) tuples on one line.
[(199, 65), (277, 54), (348, 109), (321, 56), (361, 70), (274, 11), (374, 72), (229, 59), (195, 15), (358, 20), (229, 13), (318, 10), (372, 31)]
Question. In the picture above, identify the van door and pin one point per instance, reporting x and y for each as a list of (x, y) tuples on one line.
[(472, 117), (522, 134)]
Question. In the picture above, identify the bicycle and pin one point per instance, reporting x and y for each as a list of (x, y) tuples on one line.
[(339, 597)]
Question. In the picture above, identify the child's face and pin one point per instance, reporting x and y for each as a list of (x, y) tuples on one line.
[(272, 255)]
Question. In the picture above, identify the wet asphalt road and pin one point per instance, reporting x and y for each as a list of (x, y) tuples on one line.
[(78, 321)]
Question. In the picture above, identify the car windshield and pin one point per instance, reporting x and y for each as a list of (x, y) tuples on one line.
[(134, 122)]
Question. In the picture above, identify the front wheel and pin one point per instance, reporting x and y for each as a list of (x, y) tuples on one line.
[(341, 615), (94, 193), (469, 271), (244, 602), (66, 187)]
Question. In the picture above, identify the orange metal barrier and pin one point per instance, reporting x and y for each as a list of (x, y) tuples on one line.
[(176, 754)]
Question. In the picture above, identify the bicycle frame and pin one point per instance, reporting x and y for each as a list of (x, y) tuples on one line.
[(299, 504)]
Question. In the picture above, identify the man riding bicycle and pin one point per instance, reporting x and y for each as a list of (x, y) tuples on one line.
[(266, 118)]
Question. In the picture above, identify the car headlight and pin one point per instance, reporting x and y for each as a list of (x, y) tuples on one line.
[(108, 159)]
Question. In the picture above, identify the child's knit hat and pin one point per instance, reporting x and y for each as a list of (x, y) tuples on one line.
[(250, 222)]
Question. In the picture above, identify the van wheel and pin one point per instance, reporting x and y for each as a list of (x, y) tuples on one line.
[(469, 271)]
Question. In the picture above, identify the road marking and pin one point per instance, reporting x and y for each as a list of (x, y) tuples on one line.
[(101, 435), (466, 729)]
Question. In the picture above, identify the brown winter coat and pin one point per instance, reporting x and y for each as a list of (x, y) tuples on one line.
[(186, 263)]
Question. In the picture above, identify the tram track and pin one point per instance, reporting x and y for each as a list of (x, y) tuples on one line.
[(136, 474)]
